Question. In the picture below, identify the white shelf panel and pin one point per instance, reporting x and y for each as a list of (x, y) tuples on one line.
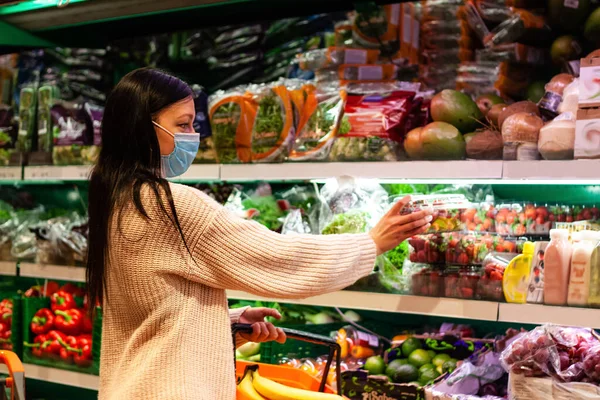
[(8, 268), (382, 170), (58, 272), (201, 172), (443, 307), (62, 377), (579, 170), (10, 174), (53, 173), (541, 314)]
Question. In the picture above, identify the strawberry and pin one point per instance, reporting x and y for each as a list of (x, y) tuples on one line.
[(496, 276), (466, 292)]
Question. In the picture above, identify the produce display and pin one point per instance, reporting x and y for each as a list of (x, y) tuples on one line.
[(59, 333)]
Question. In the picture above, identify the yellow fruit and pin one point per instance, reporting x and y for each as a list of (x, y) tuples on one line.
[(245, 389), (276, 391)]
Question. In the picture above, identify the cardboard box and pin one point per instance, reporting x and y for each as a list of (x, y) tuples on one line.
[(587, 133), (589, 81)]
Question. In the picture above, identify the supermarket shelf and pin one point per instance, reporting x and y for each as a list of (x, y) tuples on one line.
[(99, 21), (8, 268), (62, 377), (541, 314), (59, 272), (201, 172), (10, 173), (382, 170), (579, 170), (442, 307), (57, 173)]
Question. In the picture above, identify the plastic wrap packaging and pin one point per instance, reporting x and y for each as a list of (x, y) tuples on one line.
[(550, 350), (62, 241), (335, 56), (557, 138), (376, 26), (570, 98), (258, 205), (552, 99), (490, 283), (6, 231), (368, 121), (526, 388), (24, 246), (350, 205), (231, 120), (47, 94), (27, 112), (367, 73), (303, 214), (323, 112), (446, 210), (430, 249), (273, 129), (481, 375)]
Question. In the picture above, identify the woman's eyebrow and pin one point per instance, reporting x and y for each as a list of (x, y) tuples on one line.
[(190, 116)]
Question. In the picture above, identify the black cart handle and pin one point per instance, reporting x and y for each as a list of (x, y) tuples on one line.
[(335, 349)]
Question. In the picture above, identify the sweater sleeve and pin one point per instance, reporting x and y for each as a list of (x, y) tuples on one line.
[(236, 254)]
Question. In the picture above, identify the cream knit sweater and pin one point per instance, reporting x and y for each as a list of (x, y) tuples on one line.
[(166, 332)]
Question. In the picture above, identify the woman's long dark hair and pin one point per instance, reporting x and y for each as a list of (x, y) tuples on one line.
[(129, 159)]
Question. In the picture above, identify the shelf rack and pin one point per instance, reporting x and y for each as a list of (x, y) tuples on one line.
[(578, 171)]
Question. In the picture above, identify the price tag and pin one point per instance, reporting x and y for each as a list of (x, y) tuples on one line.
[(9, 173)]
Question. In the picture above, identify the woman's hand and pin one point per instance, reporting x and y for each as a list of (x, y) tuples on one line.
[(394, 228), (262, 331)]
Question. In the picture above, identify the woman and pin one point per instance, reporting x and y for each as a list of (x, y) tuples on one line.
[(161, 255)]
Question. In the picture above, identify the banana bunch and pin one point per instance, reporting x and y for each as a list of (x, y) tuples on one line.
[(255, 387)]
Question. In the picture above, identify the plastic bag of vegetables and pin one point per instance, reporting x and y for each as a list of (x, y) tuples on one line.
[(372, 113), (323, 110), (259, 205), (273, 128), (231, 119), (350, 205)]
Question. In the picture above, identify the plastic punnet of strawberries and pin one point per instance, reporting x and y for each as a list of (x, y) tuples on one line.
[(6, 311)]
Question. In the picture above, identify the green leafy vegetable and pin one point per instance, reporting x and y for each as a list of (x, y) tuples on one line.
[(224, 123), (397, 255), (351, 222), (269, 212)]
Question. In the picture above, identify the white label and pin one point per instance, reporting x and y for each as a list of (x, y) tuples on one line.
[(355, 56), (406, 23), (571, 3), (9, 173), (370, 73), (587, 138), (589, 85), (415, 35), (394, 14)]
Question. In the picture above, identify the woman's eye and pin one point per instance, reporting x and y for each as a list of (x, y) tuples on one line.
[(184, 126)]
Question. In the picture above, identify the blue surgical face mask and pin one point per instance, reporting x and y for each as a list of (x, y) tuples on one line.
[(182, 156)]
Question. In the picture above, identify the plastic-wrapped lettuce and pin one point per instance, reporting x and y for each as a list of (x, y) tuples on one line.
[(231, 121), (323, 111), (273, 129)]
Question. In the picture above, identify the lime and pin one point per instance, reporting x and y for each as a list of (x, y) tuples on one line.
[(403, 361), (375, 365), (426, 367), (440, 359), (419, 357), (439, 369), (450, 365), (431, 353), (401, 373), (428, 376), (410, 345)]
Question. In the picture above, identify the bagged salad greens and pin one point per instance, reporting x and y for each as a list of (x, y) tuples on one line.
[(372, 113), (323, 112), (231, 120), (259, 205), (273, 129)]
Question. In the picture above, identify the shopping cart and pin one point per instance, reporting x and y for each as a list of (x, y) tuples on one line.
[(15, 382), (294, 377)]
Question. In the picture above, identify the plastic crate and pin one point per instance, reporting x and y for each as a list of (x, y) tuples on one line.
[(272, 352), (30, 306), (16, 337)]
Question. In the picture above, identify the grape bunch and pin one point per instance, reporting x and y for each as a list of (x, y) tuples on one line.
[(530, 354), (551, 350), (591, 364)]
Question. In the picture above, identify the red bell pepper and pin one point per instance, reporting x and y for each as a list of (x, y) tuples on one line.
[(56, 341), (66, 356), (47, 290), (7, 317), (37, 347), (84, 343), (75, 290), (42, 322), (62, 300), (6, 304), (82, 361), (86, 325), (69, 321)]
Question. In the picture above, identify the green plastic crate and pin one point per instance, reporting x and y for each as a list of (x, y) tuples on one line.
[(30, 307), (273, 352)]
